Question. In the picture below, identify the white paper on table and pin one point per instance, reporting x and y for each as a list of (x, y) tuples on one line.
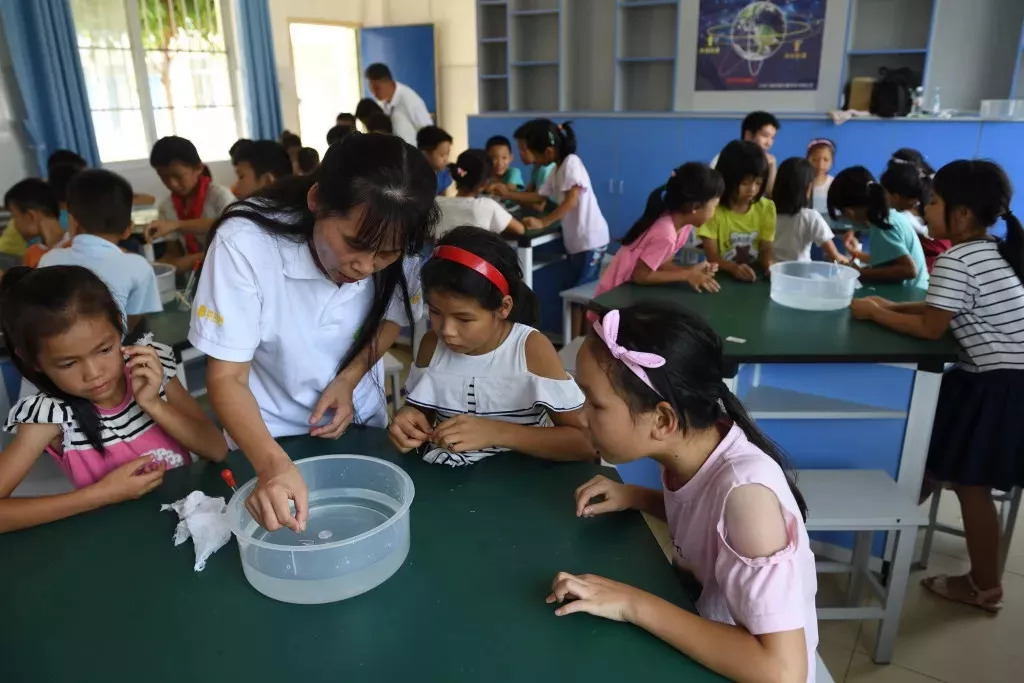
[(204, 520)]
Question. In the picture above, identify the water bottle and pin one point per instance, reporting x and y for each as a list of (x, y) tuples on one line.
[(937, 101), (147, 250)]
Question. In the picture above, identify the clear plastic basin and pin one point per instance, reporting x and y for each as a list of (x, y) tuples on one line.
[(813, 285), (356, 538)]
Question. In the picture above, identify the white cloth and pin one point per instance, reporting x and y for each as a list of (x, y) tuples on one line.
[(204, 520), (975, 283), (795, 233), (920, 227), (408, 112), (483, 212), (819, 196), (129, 277), (262, 300), (218, 198), (496, 385), (584, 228)]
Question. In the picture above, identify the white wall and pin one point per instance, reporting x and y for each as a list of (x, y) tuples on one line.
[(455, 31)]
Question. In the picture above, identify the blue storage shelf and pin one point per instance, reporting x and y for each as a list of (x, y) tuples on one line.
[(540, 62), (532, 12)]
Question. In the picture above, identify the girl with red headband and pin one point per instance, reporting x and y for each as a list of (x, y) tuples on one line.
[(484, 380)]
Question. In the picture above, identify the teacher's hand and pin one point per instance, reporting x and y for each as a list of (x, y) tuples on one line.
[(276, 484), (337, 397)]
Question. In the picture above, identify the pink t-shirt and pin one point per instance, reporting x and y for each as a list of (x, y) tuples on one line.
[(656, 246), (127, 431), (764, 594)]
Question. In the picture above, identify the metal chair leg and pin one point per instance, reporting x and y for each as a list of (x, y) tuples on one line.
[(861, 559), (929, 532), (1009, 520)]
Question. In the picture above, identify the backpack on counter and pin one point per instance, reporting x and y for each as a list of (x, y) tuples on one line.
[(893, 92)]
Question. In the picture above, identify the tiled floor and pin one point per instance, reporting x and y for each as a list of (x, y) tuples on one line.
[(938, 640)]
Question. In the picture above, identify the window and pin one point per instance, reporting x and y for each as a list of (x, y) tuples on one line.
[(179, 51)]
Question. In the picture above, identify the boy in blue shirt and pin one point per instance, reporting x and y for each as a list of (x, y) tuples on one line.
[(436, 145), (100, 204)]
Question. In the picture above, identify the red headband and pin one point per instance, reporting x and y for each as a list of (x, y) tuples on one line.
[(474, 262)]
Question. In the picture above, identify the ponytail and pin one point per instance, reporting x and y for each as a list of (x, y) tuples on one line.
[(566, 143), (688, 188), (878, 206), (525, 307), (654, 209), (856, 188), (1012, 248)]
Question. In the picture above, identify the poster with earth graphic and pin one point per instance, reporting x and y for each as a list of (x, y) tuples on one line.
[(759, 45)]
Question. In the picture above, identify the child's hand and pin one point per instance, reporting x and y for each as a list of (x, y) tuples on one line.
[(744, 273), (594, 595), (464, 433), (132, 480), (615, 497), (146, 374), (498, 189), (841, 260), (851, 243), (160, 228), (533, 223), (409, 430), (864, 309), (702, 278)]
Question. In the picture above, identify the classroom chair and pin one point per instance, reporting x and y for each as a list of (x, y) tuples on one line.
[(1009, 506), (865, 502), (821, 674), (580, 296)]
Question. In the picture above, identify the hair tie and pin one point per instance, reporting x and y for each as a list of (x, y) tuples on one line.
[(899, 160), (473, 262), (608, 331), (459, 171), (821, 141), (673, 174)]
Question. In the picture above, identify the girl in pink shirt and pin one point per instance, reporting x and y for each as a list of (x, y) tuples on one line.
[(686, 201), (113, 417), (653, 384)]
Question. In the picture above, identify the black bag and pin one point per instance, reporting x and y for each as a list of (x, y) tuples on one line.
[(893, 92)]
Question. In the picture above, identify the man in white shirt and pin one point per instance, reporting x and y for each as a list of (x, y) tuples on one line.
[(406, 108)]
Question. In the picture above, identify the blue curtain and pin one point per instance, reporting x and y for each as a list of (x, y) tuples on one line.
[(44, 52), (262, 97)]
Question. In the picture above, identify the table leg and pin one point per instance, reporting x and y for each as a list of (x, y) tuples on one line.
[(566, 322), (896, 591), (526, 262)]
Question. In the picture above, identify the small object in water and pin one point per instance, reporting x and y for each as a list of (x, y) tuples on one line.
[(736, 340)]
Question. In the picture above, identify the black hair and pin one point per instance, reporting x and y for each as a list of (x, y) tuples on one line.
[(983, 188), (39, 303), (539, 134), (366, 108), (345, 119), (339, 133), (792, 183), (33, 194), (907, 180), (690, 186), (60, 176), (290, 139), (237, 147), (756, 120), (449, 276), (818, 143), (738, 160), (430, 137), (912, 156), (690, 381), (100, 201), (265, 156), (378, 72), (172, 148), (308, 160), (498, 141), (390, 180), (856, 188), (64, 156), (471, 169), (379, 123)]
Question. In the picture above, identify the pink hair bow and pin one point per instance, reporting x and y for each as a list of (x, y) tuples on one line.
[(608, 330)]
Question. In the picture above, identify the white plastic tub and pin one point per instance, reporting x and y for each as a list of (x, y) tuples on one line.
[(165, 281), (813, 285), (356, 538)]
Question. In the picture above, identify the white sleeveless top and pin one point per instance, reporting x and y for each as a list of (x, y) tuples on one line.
[(495, 385)]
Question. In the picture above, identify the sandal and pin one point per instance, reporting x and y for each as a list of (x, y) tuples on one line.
[(990, 600)]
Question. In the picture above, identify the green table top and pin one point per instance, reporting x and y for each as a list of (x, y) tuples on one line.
[(171, 326), (777, 334), (106, 596)]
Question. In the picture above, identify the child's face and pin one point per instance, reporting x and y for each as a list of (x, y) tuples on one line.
[(935, 217), (617, 435), (901, 203), (179, 178), (462, 323), (821, 159), (764, 137), (25, 222), (704, 213), (337, 246), (748, 189), (438, 157), (248, 184), (85, 360), (501, 157), (524, 153)]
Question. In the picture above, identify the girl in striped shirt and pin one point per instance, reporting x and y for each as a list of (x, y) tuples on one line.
[(113, 417), (975, 291), (484, 380)]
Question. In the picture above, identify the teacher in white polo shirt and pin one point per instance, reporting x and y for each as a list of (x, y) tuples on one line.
[(400, 102), (304, 287)]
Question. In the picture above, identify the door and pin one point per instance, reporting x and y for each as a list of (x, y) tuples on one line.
[(327, 77), (409, 52)]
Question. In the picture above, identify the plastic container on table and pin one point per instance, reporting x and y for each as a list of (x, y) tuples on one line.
[(813, 285), (165, 281), (357, 535)]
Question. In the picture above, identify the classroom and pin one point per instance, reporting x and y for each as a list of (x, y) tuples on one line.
[(660, 339)]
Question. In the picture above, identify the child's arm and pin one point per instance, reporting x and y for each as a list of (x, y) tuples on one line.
[(162, 227), (412, 425), (701, 277), (514, 227), (572, 198), (897, 270), (180, 415), (528, 197), (766, 255), (926, 323), (741, 272), (123, 483), (832, 253)]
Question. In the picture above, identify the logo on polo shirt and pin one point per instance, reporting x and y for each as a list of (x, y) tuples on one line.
[(210, 314)]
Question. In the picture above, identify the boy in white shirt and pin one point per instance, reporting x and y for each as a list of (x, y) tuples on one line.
[(406, 108)]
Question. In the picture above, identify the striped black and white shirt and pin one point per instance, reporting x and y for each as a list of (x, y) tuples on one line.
[(974, 282)]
